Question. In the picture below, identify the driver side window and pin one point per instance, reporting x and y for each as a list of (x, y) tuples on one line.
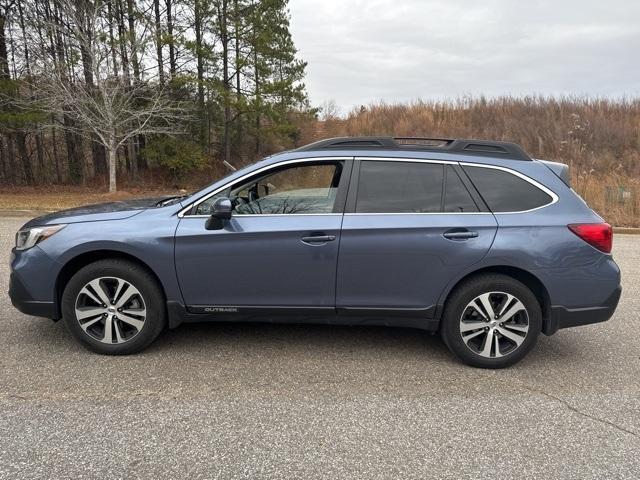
[(298, 189)]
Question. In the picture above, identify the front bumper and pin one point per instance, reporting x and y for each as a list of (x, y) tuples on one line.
[(562, 317), (22, 300), (32, 283)]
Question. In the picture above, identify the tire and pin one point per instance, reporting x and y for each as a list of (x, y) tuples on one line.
[(465, 314), (116, 293)]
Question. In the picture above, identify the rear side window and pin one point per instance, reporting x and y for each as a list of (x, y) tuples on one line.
[(399, 187), (506, 192)]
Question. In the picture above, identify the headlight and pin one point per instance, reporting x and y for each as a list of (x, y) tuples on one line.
[(32, 236)]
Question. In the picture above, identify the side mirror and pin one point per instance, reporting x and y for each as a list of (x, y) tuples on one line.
[(222, 208)]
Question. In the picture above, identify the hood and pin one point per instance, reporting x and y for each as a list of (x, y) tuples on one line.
[(98, 212)]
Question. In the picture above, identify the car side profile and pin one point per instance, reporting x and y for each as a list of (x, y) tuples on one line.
[(473, 239)]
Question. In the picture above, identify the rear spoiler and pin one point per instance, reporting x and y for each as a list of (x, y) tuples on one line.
[(560, 169)]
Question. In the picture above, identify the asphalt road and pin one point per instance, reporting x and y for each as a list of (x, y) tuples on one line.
[(269, 401)]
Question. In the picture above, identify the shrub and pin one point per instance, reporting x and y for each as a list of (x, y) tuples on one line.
[(177, 155)]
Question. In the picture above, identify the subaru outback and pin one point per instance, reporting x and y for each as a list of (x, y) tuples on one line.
[(472, 239)]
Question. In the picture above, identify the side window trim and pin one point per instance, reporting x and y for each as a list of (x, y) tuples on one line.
[(443, 193), (188, 211), (343, 187), (352, 195)]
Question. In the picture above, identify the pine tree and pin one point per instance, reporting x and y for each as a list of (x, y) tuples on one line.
[(277, 72)]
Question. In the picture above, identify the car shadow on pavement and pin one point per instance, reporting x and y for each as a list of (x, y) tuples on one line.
[(243, 339), (297, 337)]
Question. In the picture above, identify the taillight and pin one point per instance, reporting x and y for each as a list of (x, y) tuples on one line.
[(598, 235)]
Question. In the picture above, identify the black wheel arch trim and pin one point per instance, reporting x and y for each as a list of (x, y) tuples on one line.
[(530, 280), (74, 264)]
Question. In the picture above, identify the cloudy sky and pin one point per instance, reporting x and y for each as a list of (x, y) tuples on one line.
[(361, 51)]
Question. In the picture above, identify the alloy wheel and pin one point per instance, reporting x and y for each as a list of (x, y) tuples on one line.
[(494, 324), (111, 310)]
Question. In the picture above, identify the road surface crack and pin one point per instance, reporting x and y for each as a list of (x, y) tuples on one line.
[(579, 412)]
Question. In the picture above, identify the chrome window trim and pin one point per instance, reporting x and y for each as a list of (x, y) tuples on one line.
[(272, 215), (416, 213), (551, 193), (182, 213), (414, 160)]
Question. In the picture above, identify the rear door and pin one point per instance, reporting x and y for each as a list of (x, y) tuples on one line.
[(409, 228)]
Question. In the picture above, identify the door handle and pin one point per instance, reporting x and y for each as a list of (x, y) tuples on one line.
[(459, 234), (318, 239)]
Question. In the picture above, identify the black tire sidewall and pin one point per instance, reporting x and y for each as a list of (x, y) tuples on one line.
[(130, 272), (459, 299)]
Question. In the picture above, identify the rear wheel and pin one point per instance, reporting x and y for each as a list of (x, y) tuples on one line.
[(113, 307), (491, 321)]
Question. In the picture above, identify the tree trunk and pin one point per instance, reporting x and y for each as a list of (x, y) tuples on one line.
[(112, 41), (237, 25), (133, 159), (73, 141), (4, 58), (24, 39), (238, 33), (97, 152), (54, 143), (113, 163), (172, 48), (123, 43), (73, 147), (226, 83), (200, 69), (3, 166), (132, 40), (10, 164), (85, 43), (158, 26), (256, 73), (21, 143), (40, 155)]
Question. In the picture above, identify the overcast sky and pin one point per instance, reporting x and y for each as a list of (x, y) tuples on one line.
[(360, 51)]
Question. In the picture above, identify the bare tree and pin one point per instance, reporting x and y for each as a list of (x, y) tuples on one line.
[(111, 109)]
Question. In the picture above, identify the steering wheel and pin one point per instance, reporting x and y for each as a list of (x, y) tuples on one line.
[(239, 201)]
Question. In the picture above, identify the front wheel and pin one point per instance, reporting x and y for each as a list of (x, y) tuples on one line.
[(491, 321), (113, 307)]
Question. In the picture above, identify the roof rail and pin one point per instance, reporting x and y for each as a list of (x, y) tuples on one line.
[(485, 148)]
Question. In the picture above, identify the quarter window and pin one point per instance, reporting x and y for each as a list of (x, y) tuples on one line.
[(399, 187), (505, 192)]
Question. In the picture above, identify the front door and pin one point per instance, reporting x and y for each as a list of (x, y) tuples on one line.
[(278, 251), (410, 227)]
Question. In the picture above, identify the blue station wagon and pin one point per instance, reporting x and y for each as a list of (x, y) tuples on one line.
[(473, 239)]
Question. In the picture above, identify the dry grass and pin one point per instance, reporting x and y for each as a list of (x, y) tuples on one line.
[(604, 194), (598, 138)]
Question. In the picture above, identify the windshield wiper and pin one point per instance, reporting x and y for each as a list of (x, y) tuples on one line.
[(169, 200)]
